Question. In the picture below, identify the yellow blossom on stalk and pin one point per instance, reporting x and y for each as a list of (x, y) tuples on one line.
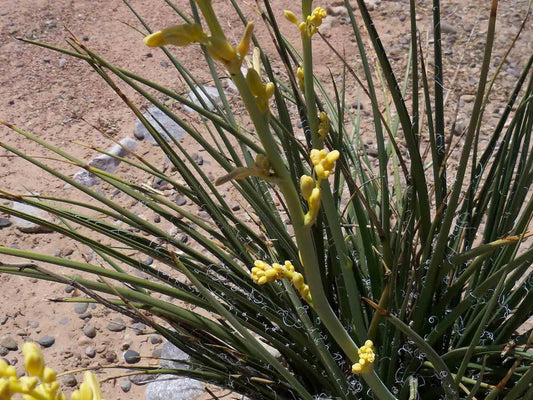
[(323, 127), (307, 184), (314, 207), (366, 359), (263, 272), (262, 92), (42, 383), (310, 26)]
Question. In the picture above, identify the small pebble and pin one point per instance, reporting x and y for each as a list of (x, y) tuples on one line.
[(132, 357), (69, 380), (155, 339), (69, 289), (86, 315), (148, 261), (138, 328), (3, 351), (110, 356), (62, 62), (4, 223), (180, 200), (8, 342), (90, 352), (125, 385), (47, 341), (89, 331), (157, 218), (85, 38), (116, 325), (164, 64), (80, 308), (3, 320)]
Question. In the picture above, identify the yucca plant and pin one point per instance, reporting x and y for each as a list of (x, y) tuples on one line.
[(404, 278)]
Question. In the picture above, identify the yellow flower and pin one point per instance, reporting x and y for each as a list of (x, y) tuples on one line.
[(33, 359), (244, 45), (366, 359), (324, 162), (178, 35), (89, 389), (291, 17), (307, 184), (314, 206)]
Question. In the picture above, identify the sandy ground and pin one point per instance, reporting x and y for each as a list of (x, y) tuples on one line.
[(51, 96)]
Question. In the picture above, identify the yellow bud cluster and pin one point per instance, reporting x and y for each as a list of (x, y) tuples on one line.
[(310, 26), (323, 127), (366, 359), (263, 272), (310, 188), (41, 382), (324, 162), (262, 92)]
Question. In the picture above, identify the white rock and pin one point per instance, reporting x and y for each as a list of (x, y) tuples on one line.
[(162, 124), (105, 162), (27, 226), (168, 387), (174, 355), (211, 96)]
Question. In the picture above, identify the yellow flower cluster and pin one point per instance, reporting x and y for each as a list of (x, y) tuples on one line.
[(324, 162), (310, 188), (217, 45), (310, 26), (263, 273), (366, 359), (41, 384)]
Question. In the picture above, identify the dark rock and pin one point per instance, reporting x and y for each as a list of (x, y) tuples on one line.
[(155, 338), (69, 380), (180, 200), (90, 352), (132, 357), (3, 351), (47, 341), (4, 223), (110, 356)]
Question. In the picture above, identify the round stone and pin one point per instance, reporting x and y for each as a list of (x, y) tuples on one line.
[(155, 338), (4, 223), (125, 385), (3, 351), (90, 352), (132, 357), (89, 331), (47, 341), (81, 308), (116, 325), (8, 342), (110, 356), (69, 380)]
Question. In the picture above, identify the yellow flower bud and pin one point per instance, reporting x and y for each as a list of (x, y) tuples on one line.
[(33, 359), (254, 83), (178, 35), (49, 375), (271, 274), (291, 17), (269, 89), (262, 280), (220, 49), (244, 45), (307, 184), (29, 383), (297, 280)]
